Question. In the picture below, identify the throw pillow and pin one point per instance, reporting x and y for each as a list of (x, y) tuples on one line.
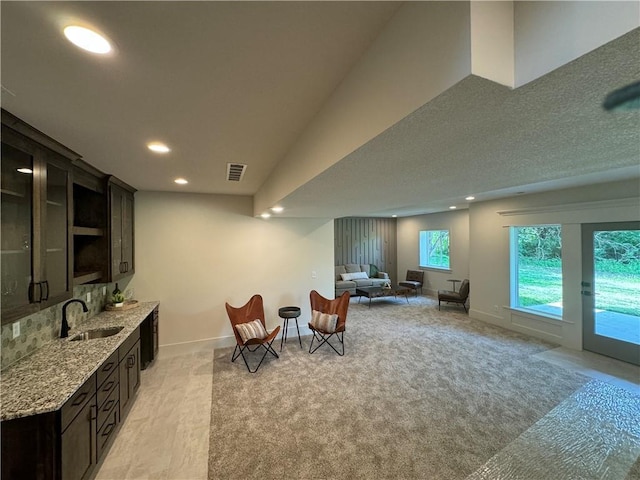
[(325, 322), (354, 276), (251, 330)]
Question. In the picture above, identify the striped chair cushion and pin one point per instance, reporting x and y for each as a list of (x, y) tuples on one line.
[(251, 330), (324, 321)]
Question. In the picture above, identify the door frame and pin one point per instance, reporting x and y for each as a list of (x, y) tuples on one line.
[(611, 347)]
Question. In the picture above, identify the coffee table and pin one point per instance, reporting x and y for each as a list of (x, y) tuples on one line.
[(378, 292)]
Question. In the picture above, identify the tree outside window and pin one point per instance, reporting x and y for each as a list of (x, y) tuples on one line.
[(536, 268), (434, 249)]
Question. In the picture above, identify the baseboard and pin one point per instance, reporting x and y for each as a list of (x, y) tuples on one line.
[(487, 317), (230, 340)]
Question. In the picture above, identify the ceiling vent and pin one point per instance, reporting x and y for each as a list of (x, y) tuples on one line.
[(235, 171)]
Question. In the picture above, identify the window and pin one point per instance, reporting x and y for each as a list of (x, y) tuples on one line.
[(536, 269), (434, 249)]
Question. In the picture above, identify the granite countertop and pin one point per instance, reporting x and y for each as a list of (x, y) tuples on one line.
[(44, 381)]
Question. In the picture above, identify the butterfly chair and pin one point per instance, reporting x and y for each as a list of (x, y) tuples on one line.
[(328, 318), (249, 328)]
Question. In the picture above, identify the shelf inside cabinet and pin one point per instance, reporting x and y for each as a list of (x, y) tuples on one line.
[(86, 277), (88, 231), (12, 193)]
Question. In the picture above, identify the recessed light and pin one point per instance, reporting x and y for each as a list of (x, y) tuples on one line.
[(28, 171), (277, 209), (394, 216), (158, 147), (87, 39), (265, 215), (470, 197), (452, 207), (181, 181)]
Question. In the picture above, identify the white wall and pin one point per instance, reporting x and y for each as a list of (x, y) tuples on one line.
[(551, 34), (195, 252), (489, 251), (480, 250), (457, 222), (492, 40), (423, 51)]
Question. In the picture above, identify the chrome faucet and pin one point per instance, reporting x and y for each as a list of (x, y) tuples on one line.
[(64, 329)]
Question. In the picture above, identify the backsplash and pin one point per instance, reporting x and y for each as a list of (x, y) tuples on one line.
[(44, 326)]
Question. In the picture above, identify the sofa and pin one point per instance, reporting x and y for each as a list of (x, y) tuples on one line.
[(351, 276)]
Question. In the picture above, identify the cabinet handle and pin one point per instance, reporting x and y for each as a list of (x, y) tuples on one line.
[(94, 412), (107, 386), (107, 367), (108, 405), (108, 429), (80, 399), (46, 284), (126, 266), (131, 361)]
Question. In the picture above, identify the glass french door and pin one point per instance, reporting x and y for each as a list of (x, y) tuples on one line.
[(611, 289)]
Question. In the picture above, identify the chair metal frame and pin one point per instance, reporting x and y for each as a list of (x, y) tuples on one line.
[(338, 306), (253, 309)]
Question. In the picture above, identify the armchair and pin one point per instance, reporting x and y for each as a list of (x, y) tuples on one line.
[(413, 280), (455, 297)]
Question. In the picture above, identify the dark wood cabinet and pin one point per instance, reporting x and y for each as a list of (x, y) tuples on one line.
[(78, 442), (68, 443), (36, 189), (149, 333), (64, 222), (129, 353), (121, 198), (90, 244), (55, 445)]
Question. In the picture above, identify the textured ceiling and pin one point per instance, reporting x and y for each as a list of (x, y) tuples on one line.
[(239, 81), (483, 139)]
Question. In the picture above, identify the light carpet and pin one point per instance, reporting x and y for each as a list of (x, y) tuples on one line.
[(420, 394)]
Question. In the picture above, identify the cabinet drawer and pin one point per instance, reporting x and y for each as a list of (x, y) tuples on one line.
[(110, 384), (108, 429), (75, 404), (129, 343), (107, 368), (105, 409)]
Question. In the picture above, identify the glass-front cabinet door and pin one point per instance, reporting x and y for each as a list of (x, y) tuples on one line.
[(36, 232), (57, 275), (117, 264), (121, 221), (17, 231)]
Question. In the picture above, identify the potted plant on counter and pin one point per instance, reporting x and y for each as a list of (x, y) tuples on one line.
[(117, 297)]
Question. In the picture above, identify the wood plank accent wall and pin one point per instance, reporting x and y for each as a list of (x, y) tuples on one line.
[(367, 240)]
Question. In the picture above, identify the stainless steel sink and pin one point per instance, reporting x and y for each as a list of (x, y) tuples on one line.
[(96, 333)]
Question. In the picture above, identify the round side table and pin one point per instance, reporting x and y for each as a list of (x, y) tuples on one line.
[(286, 313)]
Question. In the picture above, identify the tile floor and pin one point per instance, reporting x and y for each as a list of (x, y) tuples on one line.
[(166, 434)]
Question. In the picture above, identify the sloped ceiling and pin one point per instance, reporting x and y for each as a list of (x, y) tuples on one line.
[(238, 81), (483, 139)]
